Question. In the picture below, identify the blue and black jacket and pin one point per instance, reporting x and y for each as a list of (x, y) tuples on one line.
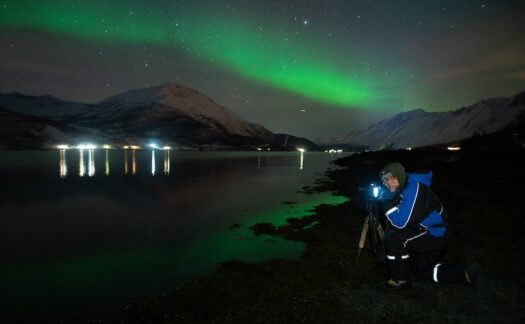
[(416, 206)]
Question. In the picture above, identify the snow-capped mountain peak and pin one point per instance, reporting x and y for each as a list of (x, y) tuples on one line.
[(418, 128)]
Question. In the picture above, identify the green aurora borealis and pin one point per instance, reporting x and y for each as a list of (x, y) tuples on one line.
[(346, 63), (268, 58)]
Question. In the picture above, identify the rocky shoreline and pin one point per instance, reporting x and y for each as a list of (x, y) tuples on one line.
[(481, 189)]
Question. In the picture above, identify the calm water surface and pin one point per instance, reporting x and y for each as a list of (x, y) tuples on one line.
[(84, 232)]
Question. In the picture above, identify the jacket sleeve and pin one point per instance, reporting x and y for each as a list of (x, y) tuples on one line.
[(410, 209)]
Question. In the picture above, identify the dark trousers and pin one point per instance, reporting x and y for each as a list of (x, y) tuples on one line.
[(416, 252)]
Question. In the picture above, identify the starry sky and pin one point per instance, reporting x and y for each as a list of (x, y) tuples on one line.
[(309, 68)]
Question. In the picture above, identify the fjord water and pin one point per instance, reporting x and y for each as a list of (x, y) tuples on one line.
[(84, 232)]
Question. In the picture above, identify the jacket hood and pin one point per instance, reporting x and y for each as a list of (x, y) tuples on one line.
[(424, 178)]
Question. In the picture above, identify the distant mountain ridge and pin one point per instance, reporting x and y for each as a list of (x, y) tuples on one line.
[(419, 128), (170, 113)]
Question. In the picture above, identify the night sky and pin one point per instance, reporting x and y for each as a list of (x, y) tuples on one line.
[(309, 68)]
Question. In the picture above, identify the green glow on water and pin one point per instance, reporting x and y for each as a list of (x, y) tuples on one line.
[(142, 272)]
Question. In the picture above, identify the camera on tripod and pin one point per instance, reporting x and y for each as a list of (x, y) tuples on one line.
[(372, 227)]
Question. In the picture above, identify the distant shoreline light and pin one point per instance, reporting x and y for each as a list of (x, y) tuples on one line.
[(90, 146)]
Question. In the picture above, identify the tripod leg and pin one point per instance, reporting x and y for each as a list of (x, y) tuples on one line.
[(380, 231), (362, 239)]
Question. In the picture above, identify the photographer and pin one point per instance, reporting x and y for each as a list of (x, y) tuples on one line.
[(418, 235)]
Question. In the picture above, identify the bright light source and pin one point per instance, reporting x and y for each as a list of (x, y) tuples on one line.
[(339, 151), (86, 146), (63, 147), (409, 149), (154, 146), (106, 146), (135, 147), (453, 148), (126, 147), (375, 190), (166, 147), (301, 150), (259, 149)]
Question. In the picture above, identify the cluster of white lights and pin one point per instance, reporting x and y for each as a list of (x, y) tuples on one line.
[(302, 150), (89, 146), (86, 146), (453, 148), (334, 151)]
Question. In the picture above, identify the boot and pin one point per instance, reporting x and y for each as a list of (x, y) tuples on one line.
[(455, 274), (399, 269)]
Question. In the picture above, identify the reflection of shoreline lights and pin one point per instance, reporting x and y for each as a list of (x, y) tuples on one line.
[(301, 163), (91, 163), (63, 147), (63, 163), (133, 163), (166, 162), (107, 163), (453, 148), (86, 146), (152, 162), (81, 169), (125, 162)]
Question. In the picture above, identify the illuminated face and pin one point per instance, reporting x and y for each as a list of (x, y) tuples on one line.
[(391, 182)]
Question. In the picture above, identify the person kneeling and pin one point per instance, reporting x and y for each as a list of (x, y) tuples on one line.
[(418, 236)]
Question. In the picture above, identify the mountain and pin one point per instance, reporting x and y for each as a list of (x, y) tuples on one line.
[(419, 128), (170, 114), (21, 131), (44, 106)]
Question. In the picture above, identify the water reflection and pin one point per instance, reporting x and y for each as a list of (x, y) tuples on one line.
[(63, 164), (91, 163), (87, 163), (107, 163), (152, 162), (166, 162), (125, 161), (133, 163), (81, 169)]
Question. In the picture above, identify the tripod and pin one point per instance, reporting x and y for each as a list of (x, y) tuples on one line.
[(372, 227)]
